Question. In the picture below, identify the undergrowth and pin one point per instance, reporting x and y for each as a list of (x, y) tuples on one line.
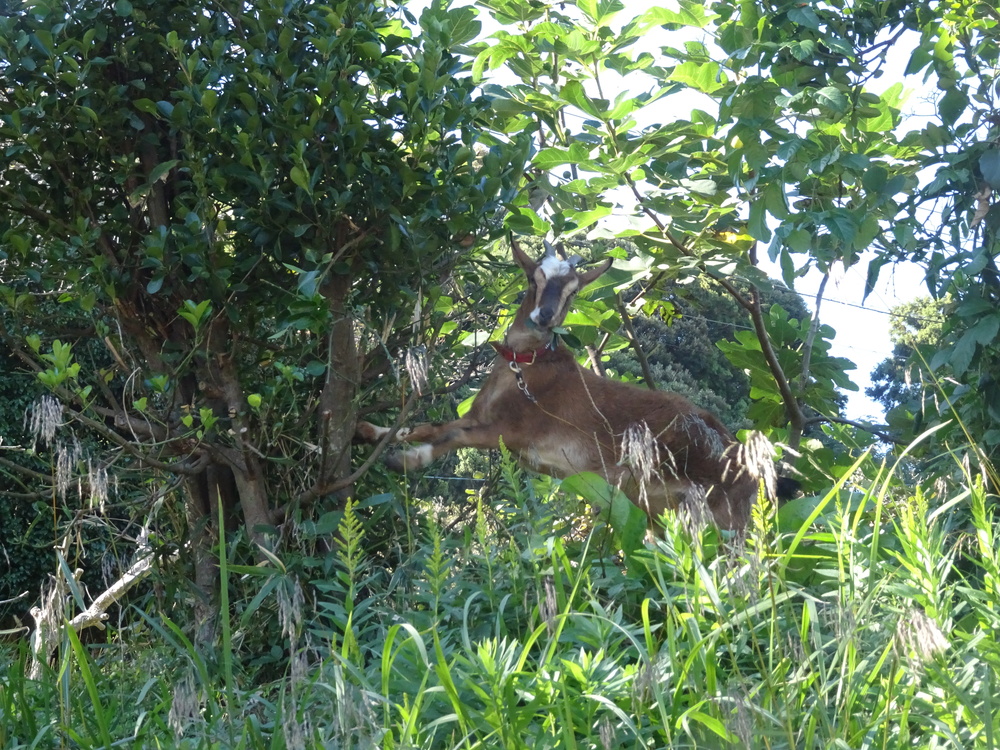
[(865, 618)]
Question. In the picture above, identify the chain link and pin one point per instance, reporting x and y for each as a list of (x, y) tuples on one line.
[(519, 377)]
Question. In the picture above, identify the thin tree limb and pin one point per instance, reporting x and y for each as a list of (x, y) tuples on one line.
[(878, 432), (329, 488), (647, 373), (811, 337)]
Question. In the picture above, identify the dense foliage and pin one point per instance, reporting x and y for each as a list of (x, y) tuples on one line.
[(228, 231), (679, 344), (231, 202), (879, 630)]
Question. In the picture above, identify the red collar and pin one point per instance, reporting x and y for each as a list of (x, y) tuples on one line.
[(527, 358)]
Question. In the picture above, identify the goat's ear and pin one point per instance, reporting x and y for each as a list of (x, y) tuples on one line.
[(587, 276), (522, 259)]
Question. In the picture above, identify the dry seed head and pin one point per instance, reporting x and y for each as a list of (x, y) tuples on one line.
[(641, 453), (840, 618), (68, 454), (700, 433), (290, 606), (918, 638), (548, 607), (741, 722), (415, 362), (97, 478), (42, 418), (294, 731), (606, 733), (185, 707), (644, 684), (693, 510), (756, 458)]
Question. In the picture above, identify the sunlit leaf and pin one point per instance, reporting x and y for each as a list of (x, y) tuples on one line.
[(706, 77)]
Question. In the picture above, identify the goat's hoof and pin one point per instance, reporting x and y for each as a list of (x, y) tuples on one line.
[(366, 432)]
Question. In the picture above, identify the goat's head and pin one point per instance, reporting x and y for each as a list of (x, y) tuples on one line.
[(553, 281)]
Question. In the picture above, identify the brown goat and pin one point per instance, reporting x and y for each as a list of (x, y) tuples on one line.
[(559, 418)]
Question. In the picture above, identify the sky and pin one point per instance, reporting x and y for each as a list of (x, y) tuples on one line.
[(862, 326)]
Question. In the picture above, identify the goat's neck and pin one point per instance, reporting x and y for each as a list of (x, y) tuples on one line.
[(523, 335)]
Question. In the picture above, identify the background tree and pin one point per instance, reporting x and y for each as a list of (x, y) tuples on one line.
[(681, 346), (897, 381), (236, 200)]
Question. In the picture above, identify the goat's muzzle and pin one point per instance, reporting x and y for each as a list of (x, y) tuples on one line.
[(542, 316)]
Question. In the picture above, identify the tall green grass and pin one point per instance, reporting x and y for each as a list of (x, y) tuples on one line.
[(863, 618)]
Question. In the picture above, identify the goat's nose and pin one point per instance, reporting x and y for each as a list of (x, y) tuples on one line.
[(543, 315)]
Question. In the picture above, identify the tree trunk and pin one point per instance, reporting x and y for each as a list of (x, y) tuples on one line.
[(244, 458), (206, 569), (337, 408)]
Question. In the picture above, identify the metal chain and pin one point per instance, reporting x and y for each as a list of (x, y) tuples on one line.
[(519, 377)]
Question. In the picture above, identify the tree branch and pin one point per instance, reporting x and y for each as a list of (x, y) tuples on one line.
[(793, 412), (329, 488), (811, 337), (647, 373), (878, 432)]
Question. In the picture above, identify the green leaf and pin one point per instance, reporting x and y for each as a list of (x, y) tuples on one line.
[(626, 519), (195, 314), (91, 114), (599, 11), (874, 179), (952, 105), (989, 165), (463, 408), (787, 268), (574, 93), (842, 224), (584, 219), (803, 15), (833, 99), (209, 98), (315, 368), (985, 330), (161, 170), (689, 14), (549, 158), (703, 76), (757, 224), (41, 40), (145, 105), (300, 178)]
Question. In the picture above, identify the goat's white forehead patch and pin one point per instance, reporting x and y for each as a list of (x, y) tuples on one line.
[(553, 266)]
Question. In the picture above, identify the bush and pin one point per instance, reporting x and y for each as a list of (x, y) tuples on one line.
[(837, 624)]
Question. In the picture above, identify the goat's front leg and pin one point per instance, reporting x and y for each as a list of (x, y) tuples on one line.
[(434, 440), (428, 432), (366, 432)]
